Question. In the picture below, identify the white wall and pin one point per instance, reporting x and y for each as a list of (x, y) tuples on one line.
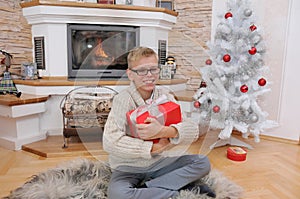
[(290, 95), (278, 20)]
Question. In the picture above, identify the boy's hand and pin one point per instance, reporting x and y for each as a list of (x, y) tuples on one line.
[(150, 130)]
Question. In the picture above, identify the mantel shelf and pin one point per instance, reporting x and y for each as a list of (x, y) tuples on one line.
[(96, 5), (64, 81)]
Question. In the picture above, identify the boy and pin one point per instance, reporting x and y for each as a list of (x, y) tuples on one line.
[(140, 170)]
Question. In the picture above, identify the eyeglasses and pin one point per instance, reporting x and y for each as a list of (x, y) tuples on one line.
[(143, 72)]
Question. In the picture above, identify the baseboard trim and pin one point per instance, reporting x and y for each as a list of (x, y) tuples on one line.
[(277, 139), (272, 138)]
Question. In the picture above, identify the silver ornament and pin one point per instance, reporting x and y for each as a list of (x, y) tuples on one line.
[(254, 118), (128, 2), (223, 78), (256, 39), (245, 77), (248, 12)]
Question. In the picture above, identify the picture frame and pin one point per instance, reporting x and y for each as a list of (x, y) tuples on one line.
[(168, 4), (106, 1), (165, 72), (29, 70)]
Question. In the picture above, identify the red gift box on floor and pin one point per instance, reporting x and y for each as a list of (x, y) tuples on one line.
[(166, 113), (236, 153)]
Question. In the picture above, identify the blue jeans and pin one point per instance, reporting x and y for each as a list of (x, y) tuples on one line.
[(163, 179)]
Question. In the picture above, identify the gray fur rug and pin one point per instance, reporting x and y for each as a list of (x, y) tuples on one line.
[(82, 178)]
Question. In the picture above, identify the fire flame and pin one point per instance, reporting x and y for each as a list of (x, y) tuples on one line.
[(100, 51)]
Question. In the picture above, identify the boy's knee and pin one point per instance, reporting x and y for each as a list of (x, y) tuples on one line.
[(204, 163), (207, 163)]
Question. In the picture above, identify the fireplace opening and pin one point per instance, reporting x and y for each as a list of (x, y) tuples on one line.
[(99, 51)]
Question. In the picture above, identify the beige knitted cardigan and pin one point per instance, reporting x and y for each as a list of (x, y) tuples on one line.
[(127, 151)]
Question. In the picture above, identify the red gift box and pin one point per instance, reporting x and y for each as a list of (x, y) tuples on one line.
[(236, 153), (166, 113)]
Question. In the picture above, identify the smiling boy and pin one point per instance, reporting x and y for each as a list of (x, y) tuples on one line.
[(140, 168)]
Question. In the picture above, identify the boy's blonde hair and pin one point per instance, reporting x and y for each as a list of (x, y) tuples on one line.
[(137, 53)]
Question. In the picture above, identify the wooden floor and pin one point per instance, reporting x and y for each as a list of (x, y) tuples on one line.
[(272, 168)]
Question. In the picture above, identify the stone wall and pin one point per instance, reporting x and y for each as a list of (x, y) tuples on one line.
[(15, 33), (187, 40)]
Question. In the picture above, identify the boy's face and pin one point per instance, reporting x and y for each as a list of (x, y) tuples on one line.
[(144, 82)]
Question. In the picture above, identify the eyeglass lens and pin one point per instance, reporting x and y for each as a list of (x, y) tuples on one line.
[(153, 71)]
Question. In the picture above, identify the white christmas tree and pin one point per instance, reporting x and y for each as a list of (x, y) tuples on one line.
[(233, 77)]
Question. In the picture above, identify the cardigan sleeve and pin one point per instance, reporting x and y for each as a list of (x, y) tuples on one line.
[(188, 130)]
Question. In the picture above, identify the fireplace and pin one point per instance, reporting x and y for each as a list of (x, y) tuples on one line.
[(52, 20), (99, 51)]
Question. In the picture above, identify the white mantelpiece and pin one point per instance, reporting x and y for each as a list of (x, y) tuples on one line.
[(50, 20)]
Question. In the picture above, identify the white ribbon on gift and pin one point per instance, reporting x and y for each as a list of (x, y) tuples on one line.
[(151, 106)]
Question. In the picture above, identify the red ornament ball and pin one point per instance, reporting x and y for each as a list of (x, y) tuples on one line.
[(197, 104), (226, 58), (253, 27), (244, 89), (227, 15), (203, 84), (252, 51), (262, 82), (216, 109), (208, 62)]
